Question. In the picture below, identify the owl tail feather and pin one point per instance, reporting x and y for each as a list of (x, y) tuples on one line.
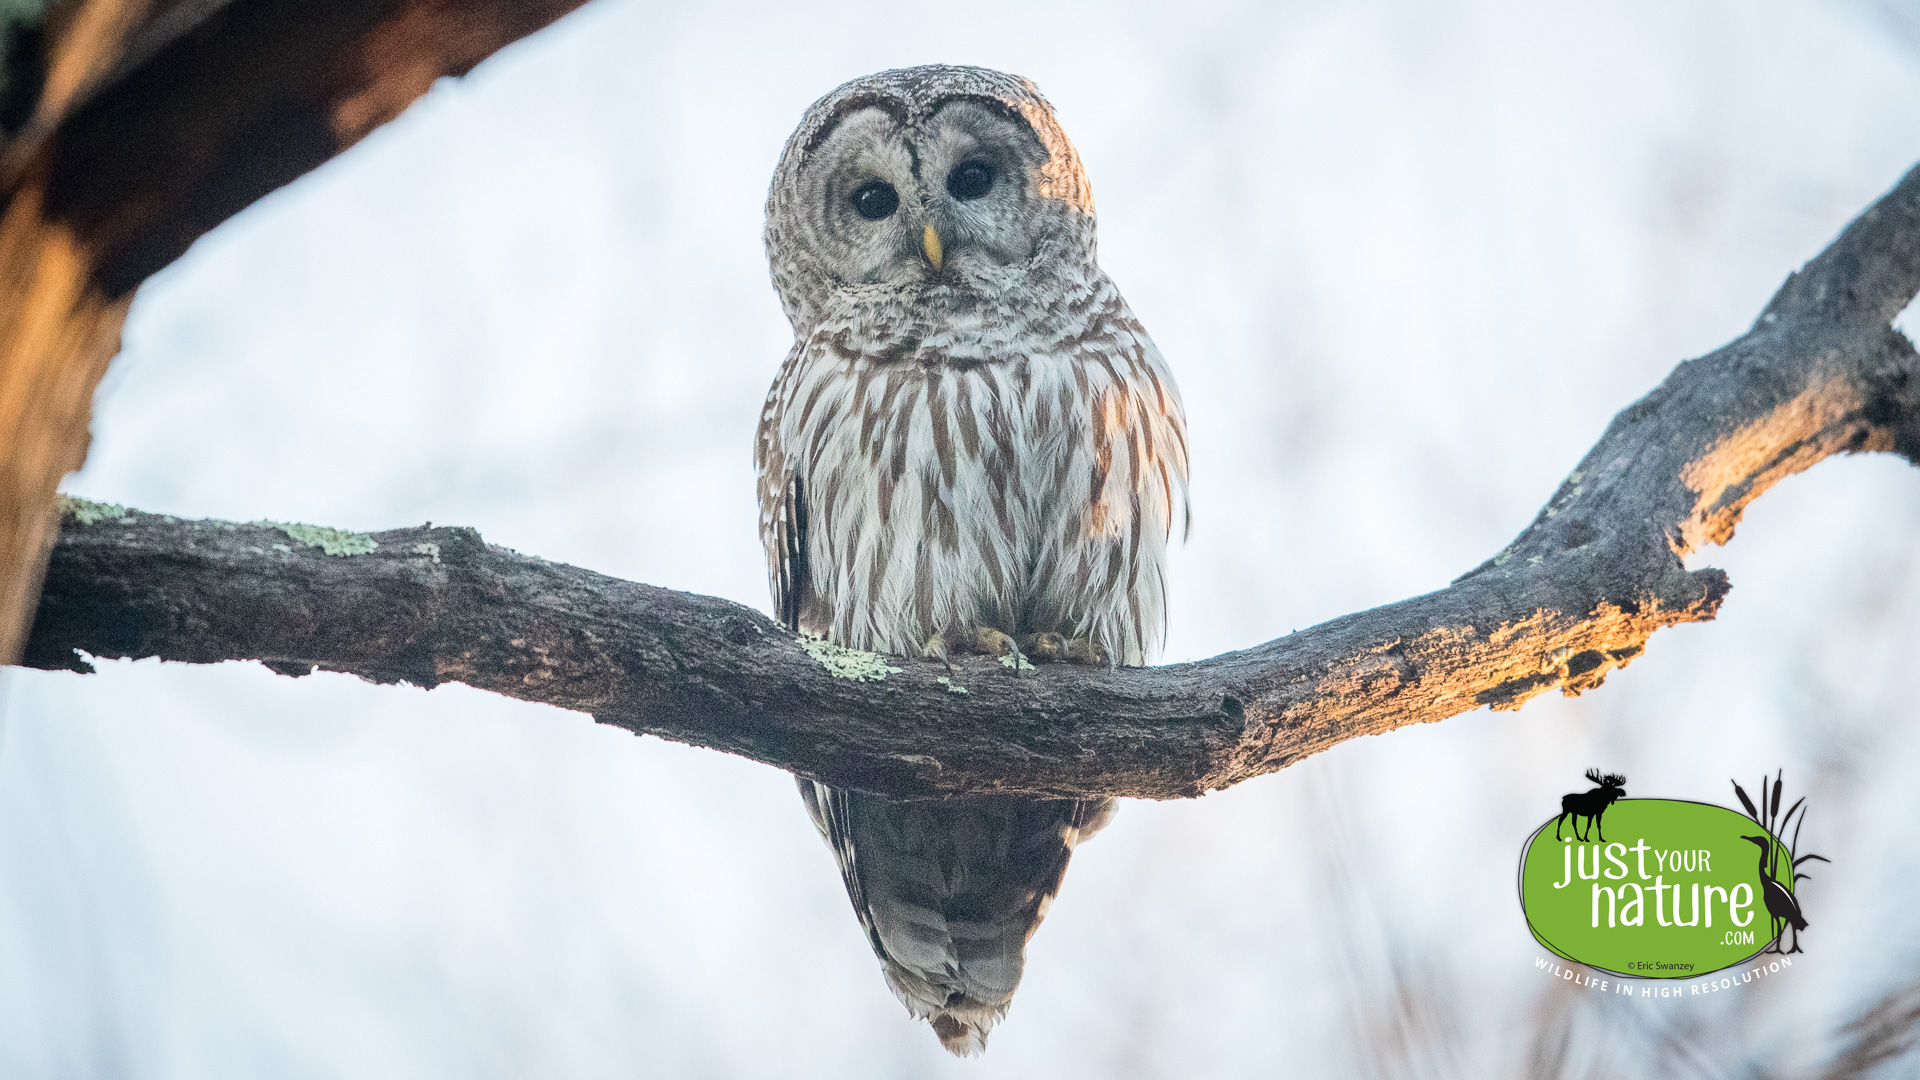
[(961, 1022), (948, 893), (962, 1038)]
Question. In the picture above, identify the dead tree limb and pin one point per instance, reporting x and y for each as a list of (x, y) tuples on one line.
[(128, 128), (1574, 596)]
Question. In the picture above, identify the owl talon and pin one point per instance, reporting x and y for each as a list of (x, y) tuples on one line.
[(998, 643), (992, 642), (936, 649), (982, 640), (988, 641), (1088, 651), (1045, 647), (1015, 659)]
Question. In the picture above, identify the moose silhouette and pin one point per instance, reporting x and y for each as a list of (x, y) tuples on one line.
[(1590, 804)]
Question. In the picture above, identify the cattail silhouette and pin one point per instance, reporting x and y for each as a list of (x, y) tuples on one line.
[(1780, 900)]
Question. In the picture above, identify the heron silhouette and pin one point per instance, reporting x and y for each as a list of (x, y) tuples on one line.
[(1780, 903)]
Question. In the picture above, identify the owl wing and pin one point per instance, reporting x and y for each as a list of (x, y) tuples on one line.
[(789, 552), (783, 515)]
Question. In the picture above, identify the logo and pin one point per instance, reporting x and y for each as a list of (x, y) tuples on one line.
[(1683, 888)]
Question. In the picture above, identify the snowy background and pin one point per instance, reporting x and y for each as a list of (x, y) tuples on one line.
[(1406, 261)]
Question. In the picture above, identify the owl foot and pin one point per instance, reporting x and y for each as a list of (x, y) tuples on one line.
[(936, 649), (1048, 647), (984, 640)]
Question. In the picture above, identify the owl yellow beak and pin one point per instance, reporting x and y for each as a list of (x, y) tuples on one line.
[(931, 241)]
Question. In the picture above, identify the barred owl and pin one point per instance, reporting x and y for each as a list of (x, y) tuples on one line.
[(972, 446)]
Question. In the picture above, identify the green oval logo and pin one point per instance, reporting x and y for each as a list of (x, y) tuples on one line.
[(1657, 888)]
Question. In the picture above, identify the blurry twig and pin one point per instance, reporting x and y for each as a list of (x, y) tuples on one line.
[(1889, 1030)]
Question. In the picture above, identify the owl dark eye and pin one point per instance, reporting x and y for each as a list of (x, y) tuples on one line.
[(876, 200), (970, 180)]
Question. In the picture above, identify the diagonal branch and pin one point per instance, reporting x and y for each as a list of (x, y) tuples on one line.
[(1574, 596)]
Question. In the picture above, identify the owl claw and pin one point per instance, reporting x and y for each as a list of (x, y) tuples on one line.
[(992, 642), (998, 643), (1015, 659), (984, 640), (1047, 647), (936, 649), (1088, 651)]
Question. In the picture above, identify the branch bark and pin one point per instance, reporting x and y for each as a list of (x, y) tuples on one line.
[(132, 127), (1576, 595)]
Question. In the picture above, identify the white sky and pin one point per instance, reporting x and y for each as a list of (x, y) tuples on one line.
[(1406, 262)]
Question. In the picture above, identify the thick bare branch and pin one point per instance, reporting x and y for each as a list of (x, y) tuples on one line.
[(1576, 595), (128, 128)]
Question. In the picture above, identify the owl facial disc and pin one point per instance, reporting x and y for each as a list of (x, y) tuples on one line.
[(937, 185)]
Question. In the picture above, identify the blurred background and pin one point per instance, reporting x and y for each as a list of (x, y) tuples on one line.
[(1406, 261)]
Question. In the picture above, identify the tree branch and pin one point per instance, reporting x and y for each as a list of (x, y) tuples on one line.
[(1574, 596), (128, 128)]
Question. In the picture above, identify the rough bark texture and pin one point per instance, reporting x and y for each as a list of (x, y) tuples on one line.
[(1576, 595), (132, 127)]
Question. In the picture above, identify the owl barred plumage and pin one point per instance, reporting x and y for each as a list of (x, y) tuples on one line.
[(971, 430)]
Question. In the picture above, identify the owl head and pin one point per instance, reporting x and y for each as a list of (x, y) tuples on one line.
[(930, 185)]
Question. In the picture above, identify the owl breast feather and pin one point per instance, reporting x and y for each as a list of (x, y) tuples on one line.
[(950, 479)]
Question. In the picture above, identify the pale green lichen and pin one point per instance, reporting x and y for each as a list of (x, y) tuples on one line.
[(952, 687), (88, 512), (844, 663), (1018, 663), (331, 541), (429, 549)]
